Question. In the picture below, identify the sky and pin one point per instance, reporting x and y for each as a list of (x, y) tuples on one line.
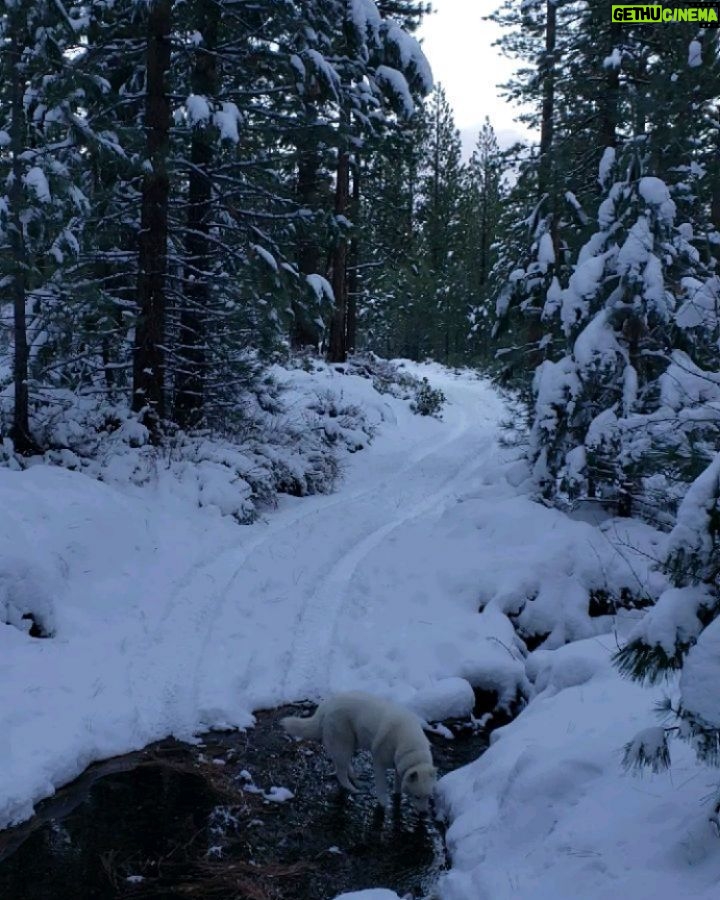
[(458, 44)]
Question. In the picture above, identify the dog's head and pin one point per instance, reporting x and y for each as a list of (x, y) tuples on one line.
[(419, 783)]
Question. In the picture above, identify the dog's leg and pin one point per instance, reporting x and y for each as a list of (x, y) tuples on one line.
[(342, 771), (397, 787), (352, 775), (381, 790), (341, 753)]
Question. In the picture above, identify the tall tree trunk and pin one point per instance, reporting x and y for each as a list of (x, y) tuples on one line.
[(641, 89), (20, 433), (149, 354), (354, 262), (547, 75), (304, 332), (609, 99), (337, 349), (546, 169), (715, 183), (190, 376)]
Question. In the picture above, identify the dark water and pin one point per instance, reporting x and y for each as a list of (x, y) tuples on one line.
[(176, 820)]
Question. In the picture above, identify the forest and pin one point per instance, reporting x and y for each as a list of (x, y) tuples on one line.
[(198, 197)]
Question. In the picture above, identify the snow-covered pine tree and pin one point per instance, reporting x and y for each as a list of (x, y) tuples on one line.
[(419, 308), (441, 302), (42, 206), (389, 237), (383, 73), (617, 314), (480, 210), (682, 631), (533, 256), (637, 432)]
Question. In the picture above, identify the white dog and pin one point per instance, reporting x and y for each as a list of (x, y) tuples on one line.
[(359, 721)]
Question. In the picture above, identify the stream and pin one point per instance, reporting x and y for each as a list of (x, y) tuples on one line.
[(202, 820)]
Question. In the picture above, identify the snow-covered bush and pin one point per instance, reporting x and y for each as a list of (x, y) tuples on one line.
[(390, 378), (284, 438), (428, 400)]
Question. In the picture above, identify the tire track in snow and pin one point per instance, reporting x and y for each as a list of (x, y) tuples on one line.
[(314, 646), (190, 627)]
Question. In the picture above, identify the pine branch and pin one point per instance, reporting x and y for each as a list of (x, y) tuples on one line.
[(649, 664), (648, 749)]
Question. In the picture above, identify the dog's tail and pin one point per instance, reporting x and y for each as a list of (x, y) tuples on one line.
[(308, 729)]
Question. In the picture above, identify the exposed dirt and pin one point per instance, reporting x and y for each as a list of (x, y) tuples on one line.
[(177, 820)]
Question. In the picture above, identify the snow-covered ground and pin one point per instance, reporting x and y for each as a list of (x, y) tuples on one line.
[(170, 619)]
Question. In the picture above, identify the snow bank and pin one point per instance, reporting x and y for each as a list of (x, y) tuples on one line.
[(549, 808), (369, 894), (293, 434), (700, 677), (547, 589), (448, 698)]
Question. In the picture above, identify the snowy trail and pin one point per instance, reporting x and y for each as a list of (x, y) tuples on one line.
[(171, 620), (310, 670), (264, 611)]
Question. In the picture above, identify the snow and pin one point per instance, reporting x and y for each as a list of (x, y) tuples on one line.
[(614, 61), (694, 537), (324, 69), (36, 180), (576, 205), (198, 109), (445, 699), (321, 287), (700, 308), (546, 252), (630, 389), (227, 119), (266, 256), (553, 298), (701, 675), (396, 83), (410, 54), (596, 345), (673, 619), (607, 162), (298, 66), (370, 894), (366, 19), (548, 807), (169, 618), (278, 795), (584, 284), (635, 251), (655, 193), (694, 54), (412, 582)]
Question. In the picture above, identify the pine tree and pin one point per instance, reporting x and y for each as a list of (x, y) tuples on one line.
[(39, 221), (441, 189), (480, 212), (682, 631), (617, 313), (389, 236), (149, 351)]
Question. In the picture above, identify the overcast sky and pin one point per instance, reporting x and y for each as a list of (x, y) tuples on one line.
[(459, 47)]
